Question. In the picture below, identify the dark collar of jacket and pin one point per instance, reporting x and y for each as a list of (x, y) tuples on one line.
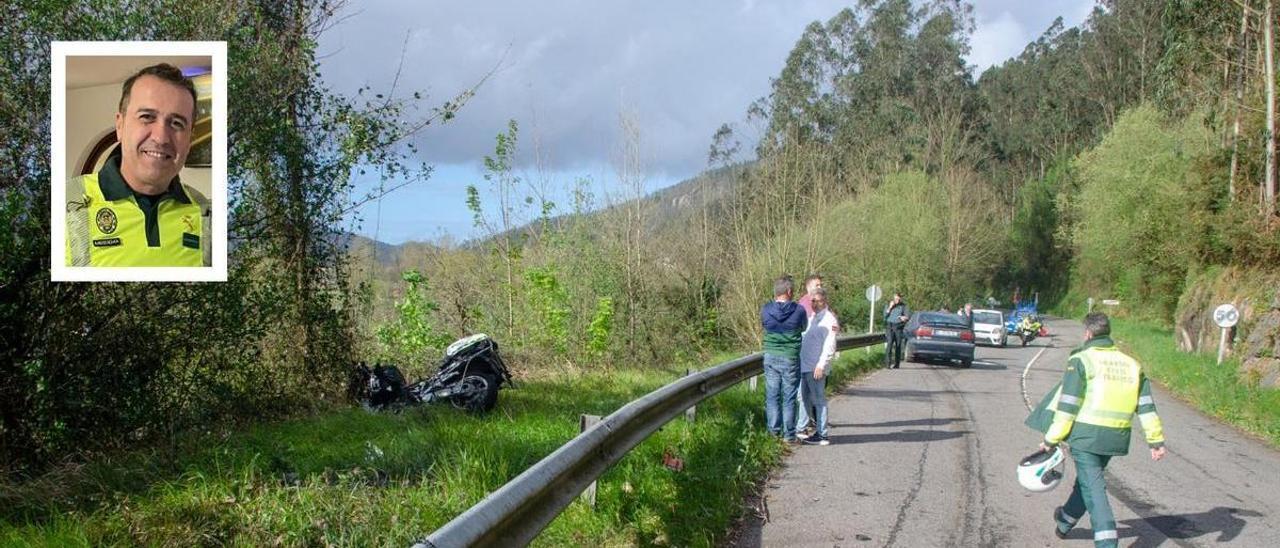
[(1094, 343), (114, 188)]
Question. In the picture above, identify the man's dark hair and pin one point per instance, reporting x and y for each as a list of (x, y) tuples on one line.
[(811, 277), (168, 73), (782, 285), (1097, 324)]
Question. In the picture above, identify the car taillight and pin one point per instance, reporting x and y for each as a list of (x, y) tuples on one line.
[(924, 332), (966, 335)]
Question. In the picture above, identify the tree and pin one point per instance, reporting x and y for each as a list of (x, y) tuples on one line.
[(273, 339), (1269, 179), (502, 235), (886, 83), (1134, 231)]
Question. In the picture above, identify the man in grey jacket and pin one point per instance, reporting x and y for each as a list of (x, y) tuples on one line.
[(896, 315)]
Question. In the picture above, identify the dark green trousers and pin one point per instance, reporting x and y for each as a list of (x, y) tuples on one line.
[(1090, 495)]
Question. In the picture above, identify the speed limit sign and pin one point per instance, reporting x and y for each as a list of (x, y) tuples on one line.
[(873, 293), (1226, 315)]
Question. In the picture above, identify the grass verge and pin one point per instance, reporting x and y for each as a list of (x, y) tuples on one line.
[(351, 478), (1218, 390)]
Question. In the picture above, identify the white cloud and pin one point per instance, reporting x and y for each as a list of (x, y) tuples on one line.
[(683, 67), (996, 40), (1082, 10)]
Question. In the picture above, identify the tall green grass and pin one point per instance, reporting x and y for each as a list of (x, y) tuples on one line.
[(1219, 390), (352, 478)]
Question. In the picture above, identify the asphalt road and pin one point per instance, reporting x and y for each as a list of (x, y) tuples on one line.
[(925, 456)]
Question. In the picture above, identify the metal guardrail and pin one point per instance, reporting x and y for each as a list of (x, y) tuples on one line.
[(515, 513)]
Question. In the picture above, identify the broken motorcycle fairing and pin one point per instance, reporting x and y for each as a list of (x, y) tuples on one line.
[(469, 377)]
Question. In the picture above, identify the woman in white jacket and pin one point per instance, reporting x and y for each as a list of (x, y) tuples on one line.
[(817, 348)]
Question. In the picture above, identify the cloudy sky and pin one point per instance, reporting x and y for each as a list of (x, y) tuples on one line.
[(566, 69)]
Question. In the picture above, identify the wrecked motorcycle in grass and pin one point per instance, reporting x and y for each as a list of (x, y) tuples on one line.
[(469, 377)]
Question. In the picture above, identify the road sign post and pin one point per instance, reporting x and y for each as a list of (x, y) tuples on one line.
[(1226, 317), (873, 295)]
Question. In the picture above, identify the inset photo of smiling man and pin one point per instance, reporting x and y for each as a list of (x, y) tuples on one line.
[(139, 145)]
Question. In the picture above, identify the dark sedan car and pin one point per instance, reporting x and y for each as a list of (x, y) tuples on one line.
[(939, 336)]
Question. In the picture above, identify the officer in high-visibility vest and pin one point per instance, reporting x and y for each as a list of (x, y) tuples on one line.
[(1092, 411), (135, 211)]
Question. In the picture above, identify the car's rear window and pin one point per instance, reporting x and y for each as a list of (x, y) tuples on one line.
[(986, 317), (939, 319)]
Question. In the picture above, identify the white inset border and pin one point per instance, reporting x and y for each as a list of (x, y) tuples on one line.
[(59, 271)]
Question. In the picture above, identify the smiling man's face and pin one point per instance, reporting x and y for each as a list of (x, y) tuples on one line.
[(154, 134)]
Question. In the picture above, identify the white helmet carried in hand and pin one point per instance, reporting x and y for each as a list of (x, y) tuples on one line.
[(1042, 470)]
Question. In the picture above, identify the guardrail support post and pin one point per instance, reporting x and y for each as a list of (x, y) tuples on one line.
[(692, 412), (585, 422), (752, 384)]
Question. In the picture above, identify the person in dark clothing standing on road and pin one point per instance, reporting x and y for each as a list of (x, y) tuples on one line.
[(895, 321), (784, 322)]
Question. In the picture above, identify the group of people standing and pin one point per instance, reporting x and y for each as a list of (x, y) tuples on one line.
[(799, 345)]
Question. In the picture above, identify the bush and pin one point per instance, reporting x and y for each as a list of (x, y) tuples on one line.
[(413, 337), (913, 233), (1134, 233)]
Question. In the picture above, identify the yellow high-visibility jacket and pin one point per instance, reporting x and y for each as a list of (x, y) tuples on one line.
[(1100, 392), (110, 225)]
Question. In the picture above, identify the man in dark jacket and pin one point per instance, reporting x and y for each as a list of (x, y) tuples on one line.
[(895, 321), (784, 322)]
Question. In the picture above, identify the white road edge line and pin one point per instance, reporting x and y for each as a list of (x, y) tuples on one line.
[(1024, 376)]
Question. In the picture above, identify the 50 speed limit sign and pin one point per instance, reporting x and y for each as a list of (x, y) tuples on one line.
[(1226, 315)]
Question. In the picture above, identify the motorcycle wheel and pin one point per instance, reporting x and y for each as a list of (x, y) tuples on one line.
[(1024, 339), (480, 393)]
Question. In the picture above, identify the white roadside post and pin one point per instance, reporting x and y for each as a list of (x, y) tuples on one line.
[(1090, 301), (585, 422), (692, 412), (873, 295), (1226, 317)]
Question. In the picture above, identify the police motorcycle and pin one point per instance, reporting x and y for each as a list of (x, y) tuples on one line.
[(469, 377), (1030, 327)]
